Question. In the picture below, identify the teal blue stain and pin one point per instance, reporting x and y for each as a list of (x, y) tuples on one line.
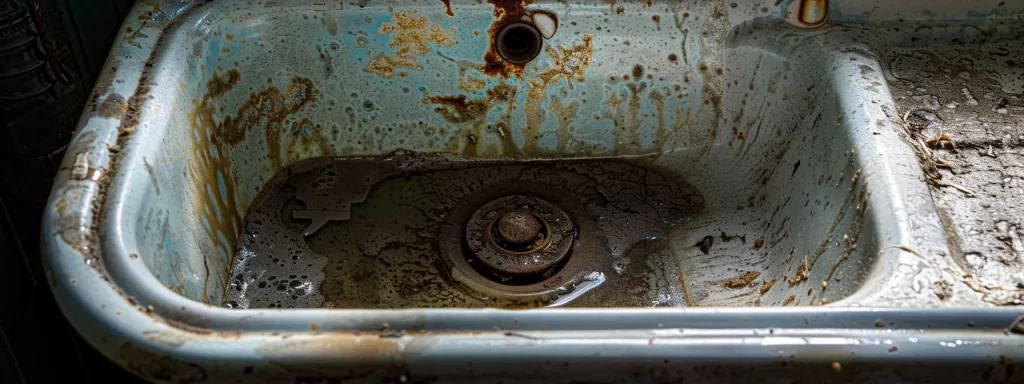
[(206, 223), (307, 131), (222, 186), (213, 198), (168, 245)]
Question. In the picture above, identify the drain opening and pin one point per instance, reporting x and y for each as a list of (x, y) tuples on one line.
[(518, 43), (516, 240)]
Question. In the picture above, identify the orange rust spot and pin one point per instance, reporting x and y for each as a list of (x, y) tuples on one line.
[(789, 300), (384, 66), (314, 327), (229, 37), (767, 286), (412, 36), (505, 13), (448, 7)]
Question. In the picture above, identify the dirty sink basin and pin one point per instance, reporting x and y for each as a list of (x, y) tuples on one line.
[(390, 191)]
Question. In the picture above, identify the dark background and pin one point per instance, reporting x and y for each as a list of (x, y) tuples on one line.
[(51, 52)]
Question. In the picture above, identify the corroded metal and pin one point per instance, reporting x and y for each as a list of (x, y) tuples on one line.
[(519, 235), (794, 135)]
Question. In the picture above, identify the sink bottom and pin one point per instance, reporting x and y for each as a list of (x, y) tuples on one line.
[(407, 231)]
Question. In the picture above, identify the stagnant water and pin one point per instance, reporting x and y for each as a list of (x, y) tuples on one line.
[(385, 255)]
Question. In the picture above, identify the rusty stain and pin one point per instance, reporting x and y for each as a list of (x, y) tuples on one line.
[(159, 367), (802, 274), (663, 133), (626, 114), (742, 281), (218, 86), (569, 64), (767, 286), (411, 35), (461, 109), (471, 84), (505, 13), (384, 66), (812, 13), (789, 300), (448, 7), (211, 192), (352, 347), (566, 112)]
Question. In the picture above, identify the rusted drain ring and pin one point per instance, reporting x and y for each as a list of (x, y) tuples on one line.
[(538, 249), (569, 256), (519, 43)]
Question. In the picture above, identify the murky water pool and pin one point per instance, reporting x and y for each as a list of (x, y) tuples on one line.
[(392, 232)]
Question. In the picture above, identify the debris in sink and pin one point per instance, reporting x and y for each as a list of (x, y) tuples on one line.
[(970, 153), (594, 233), (743, 281)]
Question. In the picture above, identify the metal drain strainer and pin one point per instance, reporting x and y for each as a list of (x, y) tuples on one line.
[(518, 240)]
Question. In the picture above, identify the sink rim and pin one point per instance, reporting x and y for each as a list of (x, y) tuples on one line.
[(190, 330)]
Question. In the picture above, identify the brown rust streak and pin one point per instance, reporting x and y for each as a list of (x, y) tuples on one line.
[(448, 7), (460, 109), (505, 13), (212, 141), (569, 64), (566, 113)]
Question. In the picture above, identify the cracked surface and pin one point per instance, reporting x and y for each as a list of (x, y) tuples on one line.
[(964, 107)]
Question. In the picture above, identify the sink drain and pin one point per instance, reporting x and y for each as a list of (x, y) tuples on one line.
[(519, 43), (519, 235), (518, 240)]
